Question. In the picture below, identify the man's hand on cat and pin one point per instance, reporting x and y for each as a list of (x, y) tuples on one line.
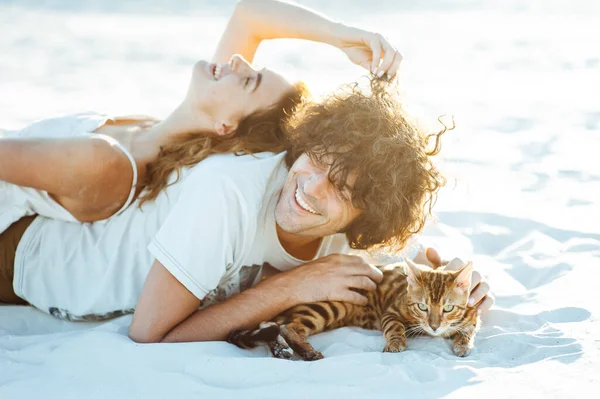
[(480, 289), (333, 278)]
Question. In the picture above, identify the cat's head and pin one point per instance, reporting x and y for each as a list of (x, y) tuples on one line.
[(437, 299)]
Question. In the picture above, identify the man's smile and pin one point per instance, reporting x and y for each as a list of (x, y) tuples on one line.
[(302, 203)]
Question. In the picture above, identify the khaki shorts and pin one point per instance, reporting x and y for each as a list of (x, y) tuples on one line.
[(9, 240)]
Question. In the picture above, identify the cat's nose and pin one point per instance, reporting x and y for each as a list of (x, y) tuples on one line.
[(434, 327)]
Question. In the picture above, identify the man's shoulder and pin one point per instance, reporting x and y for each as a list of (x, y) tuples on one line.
[(243, 183), (227, 162), (252, 170)]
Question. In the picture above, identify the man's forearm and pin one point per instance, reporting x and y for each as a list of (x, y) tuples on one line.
[(243, 311)]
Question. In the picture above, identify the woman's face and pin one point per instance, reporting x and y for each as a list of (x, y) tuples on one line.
[(227, 93)]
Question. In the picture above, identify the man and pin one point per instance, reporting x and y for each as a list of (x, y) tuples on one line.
[(358, 175)]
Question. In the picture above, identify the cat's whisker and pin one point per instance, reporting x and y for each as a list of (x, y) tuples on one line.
[(414, 334), (414, 331)]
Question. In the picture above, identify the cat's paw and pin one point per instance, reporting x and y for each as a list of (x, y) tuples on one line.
[(283, 353), (312, 355), (462, 350), (280, 348), (395, 346)]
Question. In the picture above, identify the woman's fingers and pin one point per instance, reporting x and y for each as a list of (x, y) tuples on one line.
[(389, 52), (372, 51), (375, 53), (393, 70)]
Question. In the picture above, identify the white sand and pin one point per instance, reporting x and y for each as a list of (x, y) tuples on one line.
[(522, 78)]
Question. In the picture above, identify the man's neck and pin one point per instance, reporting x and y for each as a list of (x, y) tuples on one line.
[(303, 248)]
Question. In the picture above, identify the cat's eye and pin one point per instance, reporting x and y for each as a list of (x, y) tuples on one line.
[(448, 308), (422, 307)]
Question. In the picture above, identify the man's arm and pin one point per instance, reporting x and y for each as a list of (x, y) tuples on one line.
[(167, 311), (243, 311)]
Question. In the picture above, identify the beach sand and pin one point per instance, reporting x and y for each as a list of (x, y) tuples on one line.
[(521, 79)]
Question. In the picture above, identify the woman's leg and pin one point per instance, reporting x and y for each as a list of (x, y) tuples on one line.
[(9, 240)]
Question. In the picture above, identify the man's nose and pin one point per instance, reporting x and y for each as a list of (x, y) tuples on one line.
[(316, 185)]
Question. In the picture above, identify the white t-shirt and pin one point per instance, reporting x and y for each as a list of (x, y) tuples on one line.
[(213, 230)]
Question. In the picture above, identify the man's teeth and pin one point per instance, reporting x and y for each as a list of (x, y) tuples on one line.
[(303, 204), (217, 72)]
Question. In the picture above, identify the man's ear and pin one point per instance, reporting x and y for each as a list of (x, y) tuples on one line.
[(224, 128), (462, 277), (413, 272)]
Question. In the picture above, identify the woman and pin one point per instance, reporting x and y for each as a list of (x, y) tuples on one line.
[(89, 167)]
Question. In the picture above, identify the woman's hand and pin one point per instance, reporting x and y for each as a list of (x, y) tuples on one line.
[(480, 289), (371, 51)]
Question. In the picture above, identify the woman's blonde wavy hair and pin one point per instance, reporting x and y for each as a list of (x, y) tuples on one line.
[(258, 132)]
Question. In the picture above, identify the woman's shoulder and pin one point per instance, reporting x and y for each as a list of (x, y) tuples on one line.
[(64, 125)]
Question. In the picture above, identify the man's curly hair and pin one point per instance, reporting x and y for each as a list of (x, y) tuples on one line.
[(367, 132)]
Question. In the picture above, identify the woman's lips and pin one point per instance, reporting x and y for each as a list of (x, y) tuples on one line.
[(211, 69)]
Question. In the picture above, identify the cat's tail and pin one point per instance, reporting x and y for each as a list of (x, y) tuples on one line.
[(267, 332)]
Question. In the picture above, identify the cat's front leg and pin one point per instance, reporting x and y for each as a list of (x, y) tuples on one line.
[(394, 333), (464, 340), (280, 348), (296, 334)]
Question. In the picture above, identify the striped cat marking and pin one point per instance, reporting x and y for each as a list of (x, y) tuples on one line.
[(410, 300)]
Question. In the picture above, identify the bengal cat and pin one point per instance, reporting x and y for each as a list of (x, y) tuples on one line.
[(410, 300)]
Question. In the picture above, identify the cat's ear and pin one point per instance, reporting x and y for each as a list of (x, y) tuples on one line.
[(413, 272), (462, 277)]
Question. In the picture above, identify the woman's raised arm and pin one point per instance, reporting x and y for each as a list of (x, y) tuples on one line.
[(256, 20)]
